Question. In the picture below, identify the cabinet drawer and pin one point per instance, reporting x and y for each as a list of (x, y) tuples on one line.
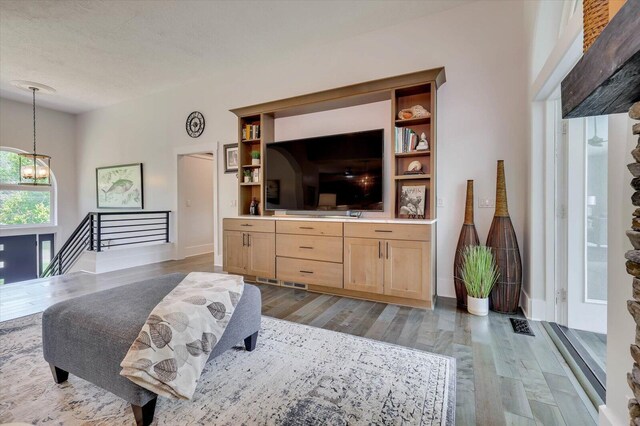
[(249, 225), (311, 247), (309, 272), (388, 231), (301, 227)]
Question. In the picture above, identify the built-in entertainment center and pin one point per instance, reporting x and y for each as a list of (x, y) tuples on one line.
[(389, 259)]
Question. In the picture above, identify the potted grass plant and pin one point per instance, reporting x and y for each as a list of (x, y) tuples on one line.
[(247, 176), (255, 158), (479, 273)]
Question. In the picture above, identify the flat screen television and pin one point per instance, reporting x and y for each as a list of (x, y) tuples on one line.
[(327, 173)]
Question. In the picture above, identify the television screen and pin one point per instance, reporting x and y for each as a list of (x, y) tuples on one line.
[(326, 173)]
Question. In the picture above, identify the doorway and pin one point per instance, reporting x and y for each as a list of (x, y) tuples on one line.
[(196, 225), (581, 179)]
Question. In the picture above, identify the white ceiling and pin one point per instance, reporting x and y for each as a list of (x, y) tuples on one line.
[(100, 52)]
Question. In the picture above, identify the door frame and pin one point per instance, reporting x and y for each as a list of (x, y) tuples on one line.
[(201, 148)]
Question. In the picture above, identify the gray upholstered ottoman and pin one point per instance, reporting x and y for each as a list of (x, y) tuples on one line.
[(89, 336)]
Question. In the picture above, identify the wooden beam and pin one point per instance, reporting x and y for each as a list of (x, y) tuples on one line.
[(370, 91), (607, 78)]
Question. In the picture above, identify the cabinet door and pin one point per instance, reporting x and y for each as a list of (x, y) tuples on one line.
[(363, 265), (406, 269), (261, 260), (234, 255)]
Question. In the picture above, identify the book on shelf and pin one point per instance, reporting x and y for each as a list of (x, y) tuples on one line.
[(406, 140), (251, 131)]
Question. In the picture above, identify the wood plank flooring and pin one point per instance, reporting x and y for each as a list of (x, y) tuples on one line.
[(502, 378)]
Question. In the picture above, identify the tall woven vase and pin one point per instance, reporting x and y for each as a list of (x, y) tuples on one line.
[(502, 240), (468, 237)]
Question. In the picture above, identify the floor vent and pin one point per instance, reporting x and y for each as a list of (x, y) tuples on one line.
[(267, 281), (521, 326), (294, 285)]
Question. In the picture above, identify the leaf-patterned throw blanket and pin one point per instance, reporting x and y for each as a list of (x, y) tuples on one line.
[(174, 344)]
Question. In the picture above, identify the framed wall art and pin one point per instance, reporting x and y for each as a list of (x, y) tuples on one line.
[(120, 187), (231, 158)]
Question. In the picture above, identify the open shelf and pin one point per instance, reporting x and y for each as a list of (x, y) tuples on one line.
[(251, 141), (413, 122), (251, 166), (413, 153), (412, 177), (249, 183)]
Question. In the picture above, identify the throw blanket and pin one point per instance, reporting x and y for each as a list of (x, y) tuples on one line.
[(173, 346)]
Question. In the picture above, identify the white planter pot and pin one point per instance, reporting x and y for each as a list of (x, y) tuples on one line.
[(477, 306), (255, 161), (247, 179)]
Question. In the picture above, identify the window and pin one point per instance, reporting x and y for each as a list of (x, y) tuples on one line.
[(597, 132), (23, 205)]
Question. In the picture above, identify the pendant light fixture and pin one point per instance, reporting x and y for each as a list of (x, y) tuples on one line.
[(35, 169)]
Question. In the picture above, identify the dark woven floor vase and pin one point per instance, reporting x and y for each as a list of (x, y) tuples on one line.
[(468, 237), (505, 296)]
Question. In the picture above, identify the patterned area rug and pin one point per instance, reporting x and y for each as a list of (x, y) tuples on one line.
[(298, 375)]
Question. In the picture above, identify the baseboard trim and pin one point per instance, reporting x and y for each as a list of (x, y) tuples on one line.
[(534, 309), (198, 250), (607, 418)]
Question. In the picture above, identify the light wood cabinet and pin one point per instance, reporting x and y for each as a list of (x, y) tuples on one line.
[(326, 249), (390, 267), (363, 265), (406, 269), (234, 254), (312, 272), (261, 254), (249, 253)]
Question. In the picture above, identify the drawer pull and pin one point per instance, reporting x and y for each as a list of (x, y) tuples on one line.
[(245, 224), (383, 230), (306, 227), (306, 272), (305, 247)]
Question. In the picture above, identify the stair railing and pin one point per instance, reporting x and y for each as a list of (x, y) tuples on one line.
[(103, 230)]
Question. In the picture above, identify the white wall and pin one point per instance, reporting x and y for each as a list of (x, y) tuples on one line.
[(621, 327), (195, 200), (482, 111), (56, 136)]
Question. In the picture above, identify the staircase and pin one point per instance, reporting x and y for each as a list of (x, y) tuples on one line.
[(100, 231)]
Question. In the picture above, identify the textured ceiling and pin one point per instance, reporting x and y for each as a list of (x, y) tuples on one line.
[(97, 53)]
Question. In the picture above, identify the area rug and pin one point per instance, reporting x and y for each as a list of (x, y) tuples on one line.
[(298, 375)]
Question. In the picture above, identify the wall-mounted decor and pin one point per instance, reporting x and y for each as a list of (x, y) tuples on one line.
[(120, 187), (273, 191), (231, 158), (195, 124), (412, 200), (502, 240), (468, 237)]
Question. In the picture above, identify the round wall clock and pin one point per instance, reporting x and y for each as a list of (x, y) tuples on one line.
[(195, 124)]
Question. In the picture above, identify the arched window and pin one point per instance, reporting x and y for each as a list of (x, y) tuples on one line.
[(23, 205)]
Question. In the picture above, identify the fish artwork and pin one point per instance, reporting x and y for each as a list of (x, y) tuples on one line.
[(119, 187)]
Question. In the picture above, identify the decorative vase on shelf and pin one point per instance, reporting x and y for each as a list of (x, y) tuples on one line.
[(505, 296), (468, 237)]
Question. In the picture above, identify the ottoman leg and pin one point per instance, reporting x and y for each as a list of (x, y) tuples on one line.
[(144, 414), (251, 341), (59, 375)]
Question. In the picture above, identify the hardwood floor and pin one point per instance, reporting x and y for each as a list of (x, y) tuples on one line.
[(502, 378)]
